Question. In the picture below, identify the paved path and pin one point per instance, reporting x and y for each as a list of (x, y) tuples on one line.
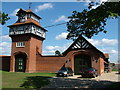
[(78, 82), (113, 76)]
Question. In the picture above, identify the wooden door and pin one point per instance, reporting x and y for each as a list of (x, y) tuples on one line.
[(20, 64), (80, 62)]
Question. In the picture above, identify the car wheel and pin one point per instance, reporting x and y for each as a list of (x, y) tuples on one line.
[(83, 76), (72, 74), (96, 74), (67, 75)]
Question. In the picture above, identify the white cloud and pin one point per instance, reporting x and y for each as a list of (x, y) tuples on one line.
[(14, 12), (5, 38), (87, 2), (5, 48), (103, 42), (52, 47), (110, 41), (107, 46), (103, 1), (61, 36), (109, 50), (61, 18), (43, 7), (50, 50), (5, 45), (95, 6), (113, 54)]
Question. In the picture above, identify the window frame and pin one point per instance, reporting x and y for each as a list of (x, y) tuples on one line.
[(20, 44)]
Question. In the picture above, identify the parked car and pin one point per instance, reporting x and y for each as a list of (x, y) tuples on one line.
[(119, 70), (65, 72), (107, 69), (89, 72)]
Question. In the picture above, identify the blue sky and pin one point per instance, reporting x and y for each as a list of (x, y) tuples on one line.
[(55, 13)]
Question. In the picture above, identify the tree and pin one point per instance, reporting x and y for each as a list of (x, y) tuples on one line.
[(57, 53), (3, 18), (90, 21)]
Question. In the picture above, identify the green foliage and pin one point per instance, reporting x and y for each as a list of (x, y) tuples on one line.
[(92, 21), (3, 18)]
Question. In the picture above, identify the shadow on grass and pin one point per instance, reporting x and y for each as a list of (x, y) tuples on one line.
[(35, 82)]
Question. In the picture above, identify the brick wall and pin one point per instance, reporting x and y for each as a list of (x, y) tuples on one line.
[(54, 63), (101, 65), (49, 63), (17, 50), (97, 60), (5, 63)]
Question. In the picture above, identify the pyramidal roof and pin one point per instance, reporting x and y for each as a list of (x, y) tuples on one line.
[(30, 20), (80, 43), (29, 10)]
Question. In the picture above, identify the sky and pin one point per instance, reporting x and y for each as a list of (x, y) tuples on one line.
[(55, 13)]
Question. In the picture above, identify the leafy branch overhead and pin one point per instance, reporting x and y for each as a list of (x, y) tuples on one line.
[(91, 22), (3, 18)]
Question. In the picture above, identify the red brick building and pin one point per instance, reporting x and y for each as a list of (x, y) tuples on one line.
[(26, 54)]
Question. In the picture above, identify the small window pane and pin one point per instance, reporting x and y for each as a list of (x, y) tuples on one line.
[(20, 44)]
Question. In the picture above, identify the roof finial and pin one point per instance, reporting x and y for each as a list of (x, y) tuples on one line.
[(30, 5)]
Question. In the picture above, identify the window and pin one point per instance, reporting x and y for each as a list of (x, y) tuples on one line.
[(20, 44)]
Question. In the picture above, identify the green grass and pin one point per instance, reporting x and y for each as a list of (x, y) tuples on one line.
[(114, 69), (26, 80)]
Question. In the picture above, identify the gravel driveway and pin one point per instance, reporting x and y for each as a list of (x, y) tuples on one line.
[(79, 82)]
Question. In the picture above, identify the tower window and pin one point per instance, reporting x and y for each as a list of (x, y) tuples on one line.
[(20, 44)]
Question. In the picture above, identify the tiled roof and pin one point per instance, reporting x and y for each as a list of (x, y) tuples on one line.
[(4, 56), (29, 10), (26, 22)]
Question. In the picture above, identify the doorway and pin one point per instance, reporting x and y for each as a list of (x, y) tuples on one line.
[(20, 63), (81, 61)]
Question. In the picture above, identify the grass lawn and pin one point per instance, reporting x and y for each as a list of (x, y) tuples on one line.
[(26, 80), (114, 69)]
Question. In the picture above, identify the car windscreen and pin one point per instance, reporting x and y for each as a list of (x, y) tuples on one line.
[(90, 69), (63, 69)]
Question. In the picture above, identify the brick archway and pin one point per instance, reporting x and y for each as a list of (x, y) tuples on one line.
[(20, 61), (81, 61)]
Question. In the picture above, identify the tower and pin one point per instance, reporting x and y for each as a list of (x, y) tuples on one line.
[(27, 36)]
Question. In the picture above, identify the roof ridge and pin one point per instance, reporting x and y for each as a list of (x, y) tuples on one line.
[(29, 10)]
